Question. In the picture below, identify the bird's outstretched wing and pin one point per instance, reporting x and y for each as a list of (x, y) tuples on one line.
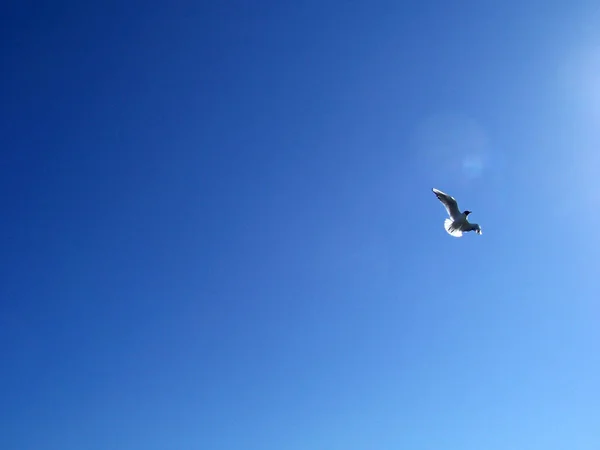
[(449, 203), (474, 227)]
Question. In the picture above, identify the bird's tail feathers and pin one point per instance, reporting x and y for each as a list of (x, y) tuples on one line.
[(451, 231)]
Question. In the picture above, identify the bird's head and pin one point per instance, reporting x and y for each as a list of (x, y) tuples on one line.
[(466, 213)]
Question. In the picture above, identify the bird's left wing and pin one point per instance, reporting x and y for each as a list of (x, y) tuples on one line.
[(449, 203)]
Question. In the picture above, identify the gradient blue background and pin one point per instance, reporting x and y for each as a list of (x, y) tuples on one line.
[(217, 228)]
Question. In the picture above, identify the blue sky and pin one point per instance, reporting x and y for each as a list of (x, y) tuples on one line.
[(218, 230)]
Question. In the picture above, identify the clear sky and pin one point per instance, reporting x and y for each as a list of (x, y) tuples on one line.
[(218, 232)]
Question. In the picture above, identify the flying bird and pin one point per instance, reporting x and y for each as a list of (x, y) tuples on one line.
[(457, 223)]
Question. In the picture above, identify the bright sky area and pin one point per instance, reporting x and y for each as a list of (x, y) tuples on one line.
[(218, 230)]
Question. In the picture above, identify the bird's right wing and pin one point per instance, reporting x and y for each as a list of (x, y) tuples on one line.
[(474, 227), (449, 203)]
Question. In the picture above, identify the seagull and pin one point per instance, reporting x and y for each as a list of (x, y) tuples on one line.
[(458, 222)]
